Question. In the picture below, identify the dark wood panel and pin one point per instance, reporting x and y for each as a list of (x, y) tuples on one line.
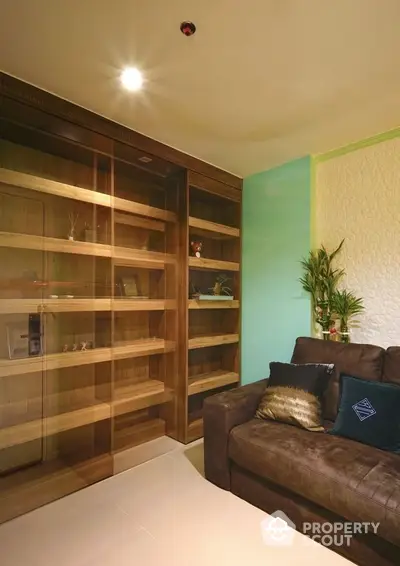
[(213, 185), (38, 99), (18, 112)]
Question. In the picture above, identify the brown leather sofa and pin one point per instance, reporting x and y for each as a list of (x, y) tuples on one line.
[(312, 477)]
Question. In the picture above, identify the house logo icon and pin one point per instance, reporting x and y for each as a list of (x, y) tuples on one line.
[(278, 530), (363, 409)]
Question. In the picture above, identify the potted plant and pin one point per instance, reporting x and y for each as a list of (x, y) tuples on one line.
[(320, 279), (346, 306)]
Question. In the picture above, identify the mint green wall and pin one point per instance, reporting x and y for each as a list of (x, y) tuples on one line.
[(275, 236)]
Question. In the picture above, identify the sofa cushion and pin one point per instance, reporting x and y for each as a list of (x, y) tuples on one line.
[(369, 412), (360, 360), (391, 366), (294, 394), (355, 481)]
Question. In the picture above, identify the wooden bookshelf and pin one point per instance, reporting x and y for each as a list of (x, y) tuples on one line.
[(213, 229), (29, 431), (94, 245), (215, 264), (46, 186), (210, 327), (49, 187), (122, 256), (212, 380), (212, 340), (30, 488)]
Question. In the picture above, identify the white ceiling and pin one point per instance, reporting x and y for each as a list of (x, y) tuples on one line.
[(261, 82)]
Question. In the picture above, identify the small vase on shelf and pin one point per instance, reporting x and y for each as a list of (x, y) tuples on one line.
[(344, 333)]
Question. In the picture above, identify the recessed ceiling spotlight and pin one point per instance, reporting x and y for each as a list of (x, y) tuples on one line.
[(145, 159), (132, 78)]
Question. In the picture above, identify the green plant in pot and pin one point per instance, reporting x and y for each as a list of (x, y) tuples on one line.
[(320, 279), (346, 306)]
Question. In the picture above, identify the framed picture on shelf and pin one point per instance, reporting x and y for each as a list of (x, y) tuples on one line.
[(24, 338), (130, 287)]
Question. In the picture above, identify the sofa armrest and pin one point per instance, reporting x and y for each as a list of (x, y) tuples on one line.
[(221, 413)]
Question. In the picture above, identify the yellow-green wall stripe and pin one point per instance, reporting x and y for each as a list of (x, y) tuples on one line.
[(391, 134)]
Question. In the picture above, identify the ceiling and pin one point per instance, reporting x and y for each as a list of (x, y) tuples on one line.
[(261, 82)]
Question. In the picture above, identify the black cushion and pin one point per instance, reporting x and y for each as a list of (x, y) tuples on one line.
[(369, 412)]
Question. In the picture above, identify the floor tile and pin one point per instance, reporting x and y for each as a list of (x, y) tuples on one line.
[(160, 512)]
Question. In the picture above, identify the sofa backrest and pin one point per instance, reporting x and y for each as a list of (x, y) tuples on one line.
[(359, 360), (391, 366)]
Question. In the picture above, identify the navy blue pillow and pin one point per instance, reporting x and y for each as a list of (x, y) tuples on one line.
[(369, 412)]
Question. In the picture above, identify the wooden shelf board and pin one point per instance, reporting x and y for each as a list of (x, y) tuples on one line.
[(139, 222), (24, 306), (213, 380), (142, 347), (126, 399), (138, 434), (212, 340), (142, 209), (33, 430), (41, 185), (139, 396), (124, 304), (38, 184), (206, 263), (195, 430), (137, 348), (43, 244), (141, 258), (121, 256), (195, 304), (28, 489), (53, 361), (213, 229)]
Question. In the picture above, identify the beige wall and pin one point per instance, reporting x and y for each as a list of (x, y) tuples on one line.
[(357, 197)]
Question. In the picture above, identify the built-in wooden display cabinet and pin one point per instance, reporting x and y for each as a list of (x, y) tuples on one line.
[(111, 334)]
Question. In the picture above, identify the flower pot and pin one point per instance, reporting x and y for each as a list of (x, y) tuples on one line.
[(326, 335), (344, 333)]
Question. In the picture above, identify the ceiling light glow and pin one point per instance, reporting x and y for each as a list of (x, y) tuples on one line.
[(132, 79)]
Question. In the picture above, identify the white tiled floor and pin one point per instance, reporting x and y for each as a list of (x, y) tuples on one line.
[(162, 512)]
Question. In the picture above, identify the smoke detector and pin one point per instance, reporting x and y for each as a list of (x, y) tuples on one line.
[(188, 28)]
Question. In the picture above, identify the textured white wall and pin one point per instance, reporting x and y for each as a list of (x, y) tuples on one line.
[(358, 198)]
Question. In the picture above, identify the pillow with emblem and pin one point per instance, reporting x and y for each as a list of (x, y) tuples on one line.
[(294, 394), (369, 412)]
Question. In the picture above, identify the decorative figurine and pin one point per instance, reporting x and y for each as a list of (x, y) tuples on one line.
[(73, 219), (74, 347), (196, 248), (65, 348), (219, 287), (194, 292), (84, 346)]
